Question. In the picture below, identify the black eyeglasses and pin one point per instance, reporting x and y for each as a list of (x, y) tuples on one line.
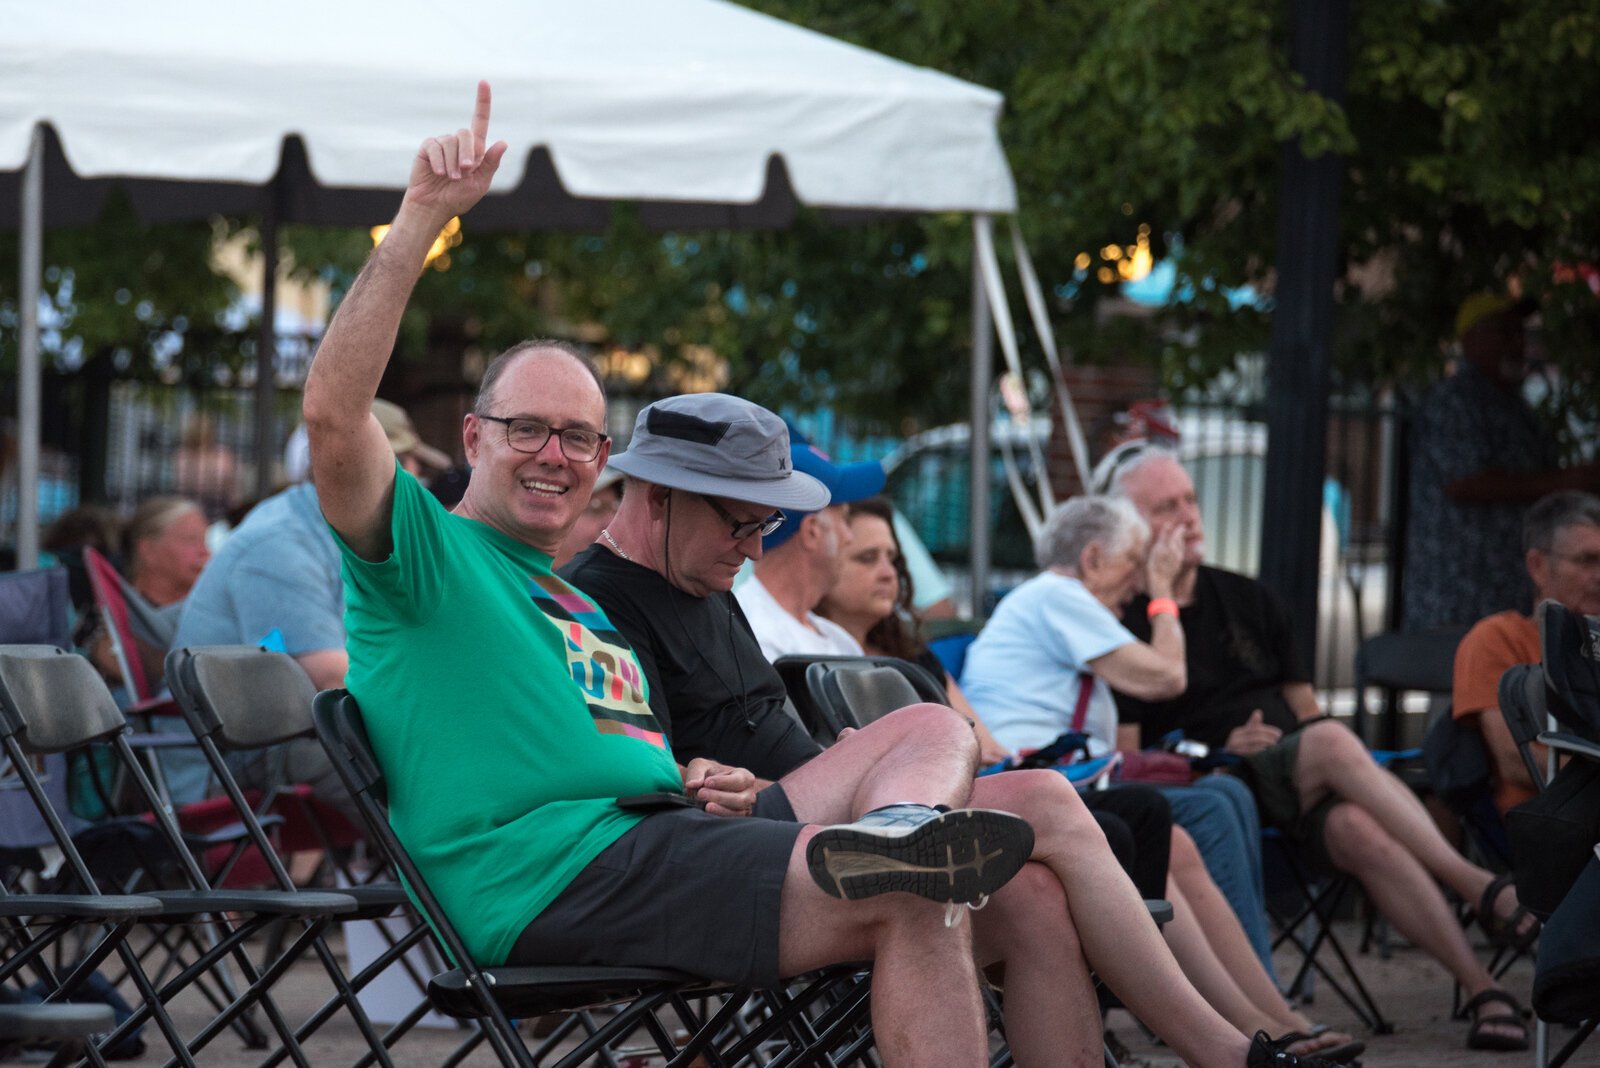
[(743, 528), (530, 435)]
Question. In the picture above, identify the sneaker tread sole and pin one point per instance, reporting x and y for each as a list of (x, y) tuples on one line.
[(959, 857)]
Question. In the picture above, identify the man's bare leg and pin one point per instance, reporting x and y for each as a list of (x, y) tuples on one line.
[(1332, 760), (922, 753), (925, 1003), (1405, 893), (1052, 1016)]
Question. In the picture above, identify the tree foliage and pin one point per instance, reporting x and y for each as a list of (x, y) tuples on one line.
[(1465, 141)]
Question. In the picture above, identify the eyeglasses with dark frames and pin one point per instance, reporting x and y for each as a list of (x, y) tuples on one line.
[(743, 528), (530, 435)]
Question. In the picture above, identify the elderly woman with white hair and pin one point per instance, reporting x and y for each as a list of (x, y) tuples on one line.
[(1044, 665)]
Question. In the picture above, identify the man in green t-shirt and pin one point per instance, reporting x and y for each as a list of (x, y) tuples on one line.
[(510, 717)]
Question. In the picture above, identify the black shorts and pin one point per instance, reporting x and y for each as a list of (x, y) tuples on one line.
[(683, 890), (1270, 774)]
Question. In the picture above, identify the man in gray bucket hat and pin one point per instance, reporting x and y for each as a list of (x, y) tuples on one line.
[(707, 477)]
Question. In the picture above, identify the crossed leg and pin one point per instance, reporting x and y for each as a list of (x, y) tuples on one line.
[(1051, 1013), (1103, 911), (1383, 836)]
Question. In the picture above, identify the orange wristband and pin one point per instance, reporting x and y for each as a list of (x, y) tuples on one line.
[(1161, 606)]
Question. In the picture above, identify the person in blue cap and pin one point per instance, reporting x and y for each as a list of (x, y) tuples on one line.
[(781, 598)]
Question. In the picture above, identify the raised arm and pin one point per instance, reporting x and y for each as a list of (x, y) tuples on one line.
[(1157, 671), (351, 461)]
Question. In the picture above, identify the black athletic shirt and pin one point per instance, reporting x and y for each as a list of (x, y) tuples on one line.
[(1239, 649), (712, 691)]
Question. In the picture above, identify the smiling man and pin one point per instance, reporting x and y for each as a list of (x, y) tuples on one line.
[(527, 775)]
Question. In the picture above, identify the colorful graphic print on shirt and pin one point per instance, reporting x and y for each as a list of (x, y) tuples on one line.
[(602, 663)]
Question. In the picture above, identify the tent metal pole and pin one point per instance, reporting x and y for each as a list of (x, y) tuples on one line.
[(978, 438), (266, 395), (30, 262)]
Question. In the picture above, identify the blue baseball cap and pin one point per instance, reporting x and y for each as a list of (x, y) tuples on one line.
[(845, 482)]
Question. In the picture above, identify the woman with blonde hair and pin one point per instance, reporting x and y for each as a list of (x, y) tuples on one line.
[(164, 548)]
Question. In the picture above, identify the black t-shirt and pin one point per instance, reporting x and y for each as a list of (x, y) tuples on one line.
[(711, 689), (1239, 650)]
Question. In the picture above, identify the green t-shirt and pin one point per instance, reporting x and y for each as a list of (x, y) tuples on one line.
[(505, 710)]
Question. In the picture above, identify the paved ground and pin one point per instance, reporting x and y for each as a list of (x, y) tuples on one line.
[(1411, 990)]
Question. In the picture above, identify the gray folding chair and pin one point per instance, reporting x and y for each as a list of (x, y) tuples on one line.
[(52, 702), (239, 698)]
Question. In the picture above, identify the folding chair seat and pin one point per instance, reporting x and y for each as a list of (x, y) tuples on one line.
[(66, 1026), (242, 698), (52, 702), (820, 712)]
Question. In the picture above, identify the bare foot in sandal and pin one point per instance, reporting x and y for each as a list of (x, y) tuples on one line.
[(1503, 918), (1497, 1022), (1323, 1041)]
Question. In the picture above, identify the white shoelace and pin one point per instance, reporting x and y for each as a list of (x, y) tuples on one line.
[(953, 910)]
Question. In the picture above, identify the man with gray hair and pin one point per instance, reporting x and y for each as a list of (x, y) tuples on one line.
[(1249, 694), (1561, 550), (698, 502)]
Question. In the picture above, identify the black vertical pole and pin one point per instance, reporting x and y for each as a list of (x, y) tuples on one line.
[(1302, 332)]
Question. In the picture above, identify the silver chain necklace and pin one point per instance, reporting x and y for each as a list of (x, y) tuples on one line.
[(606, 534)]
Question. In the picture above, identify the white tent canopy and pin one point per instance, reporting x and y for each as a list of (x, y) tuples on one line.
[(675, 102), (705, 113)]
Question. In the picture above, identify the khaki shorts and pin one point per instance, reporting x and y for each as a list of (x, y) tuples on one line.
[(1270, 776)]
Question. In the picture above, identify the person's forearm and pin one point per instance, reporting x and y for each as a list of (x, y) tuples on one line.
[(355, 350), (1302, 700), (1166, 637)]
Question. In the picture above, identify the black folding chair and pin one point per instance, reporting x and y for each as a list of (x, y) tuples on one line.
[(819, 1018), (242, 698), (52, 702), (1565, 950), (824, 712)]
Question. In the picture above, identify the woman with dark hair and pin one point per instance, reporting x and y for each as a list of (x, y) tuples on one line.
[(875, 605), (872, 600)]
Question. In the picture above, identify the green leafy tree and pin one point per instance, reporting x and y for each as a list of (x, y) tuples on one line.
[(1464, 141)]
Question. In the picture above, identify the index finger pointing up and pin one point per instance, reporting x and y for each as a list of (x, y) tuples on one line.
[(480, 115)]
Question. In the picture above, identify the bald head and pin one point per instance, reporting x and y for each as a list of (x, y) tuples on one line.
[(534, 347)]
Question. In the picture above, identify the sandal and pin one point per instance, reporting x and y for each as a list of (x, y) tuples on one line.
[(1479, 1038), (1344, 1053), (1508, 932)]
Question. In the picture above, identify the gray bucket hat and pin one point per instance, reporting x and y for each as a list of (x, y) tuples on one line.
[(719, 445)]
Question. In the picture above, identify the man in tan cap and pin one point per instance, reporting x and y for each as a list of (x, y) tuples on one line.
[(1479, 457), (415, 455)]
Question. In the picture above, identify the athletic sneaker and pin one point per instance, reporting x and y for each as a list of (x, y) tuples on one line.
[(959, 855), (1267, 1053)]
